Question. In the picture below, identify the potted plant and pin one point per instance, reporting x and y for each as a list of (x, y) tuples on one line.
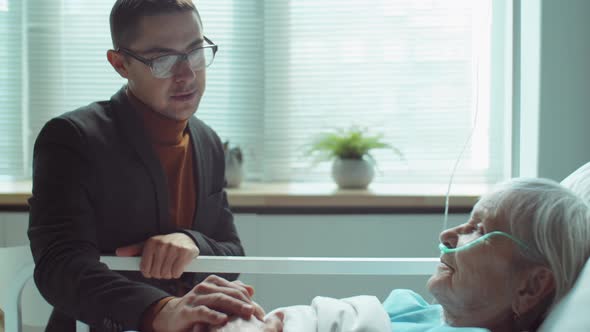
[(353, 165), (234, 171)]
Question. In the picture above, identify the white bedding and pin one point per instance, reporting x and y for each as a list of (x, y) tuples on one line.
[(353, 314)]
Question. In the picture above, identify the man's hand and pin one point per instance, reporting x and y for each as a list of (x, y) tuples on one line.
[(211, 302), (163, 256)]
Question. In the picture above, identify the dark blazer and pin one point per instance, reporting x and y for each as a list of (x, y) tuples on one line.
[(97, 186)]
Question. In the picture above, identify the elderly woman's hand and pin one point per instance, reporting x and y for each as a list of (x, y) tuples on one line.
[(273, 323)]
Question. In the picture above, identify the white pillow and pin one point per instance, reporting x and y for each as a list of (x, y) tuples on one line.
[(571, 314), (579, 182)]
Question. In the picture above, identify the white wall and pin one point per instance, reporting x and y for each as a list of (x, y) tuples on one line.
[(565, 87), (13, 232), (554, 82)]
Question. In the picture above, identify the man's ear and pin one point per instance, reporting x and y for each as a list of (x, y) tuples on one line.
[(536, 285), (117, 60)]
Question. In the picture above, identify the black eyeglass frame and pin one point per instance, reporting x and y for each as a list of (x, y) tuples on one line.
[(184, 56)]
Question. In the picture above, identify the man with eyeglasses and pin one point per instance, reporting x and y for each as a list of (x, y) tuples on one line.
[(138, 175)]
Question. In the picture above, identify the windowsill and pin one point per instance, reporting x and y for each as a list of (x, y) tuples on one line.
[(306, 197), (14, 193)]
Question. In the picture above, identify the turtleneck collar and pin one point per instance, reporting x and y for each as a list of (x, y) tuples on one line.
[(160, 129)]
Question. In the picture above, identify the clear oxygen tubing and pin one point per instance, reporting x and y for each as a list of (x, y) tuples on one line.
[(446, 250), (468, 141), (446, 213)]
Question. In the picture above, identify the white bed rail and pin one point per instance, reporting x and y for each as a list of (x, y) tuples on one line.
[(294, 265), (230, 264)]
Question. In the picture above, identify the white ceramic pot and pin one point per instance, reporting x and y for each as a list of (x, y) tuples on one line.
[(353, 173)]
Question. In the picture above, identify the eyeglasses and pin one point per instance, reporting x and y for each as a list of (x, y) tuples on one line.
[(446, 250), (163, 66)]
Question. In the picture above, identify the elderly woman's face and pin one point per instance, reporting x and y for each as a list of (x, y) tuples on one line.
[(476, 286)]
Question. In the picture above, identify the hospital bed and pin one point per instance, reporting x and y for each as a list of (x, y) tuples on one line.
[(570, 315), (19, 260)]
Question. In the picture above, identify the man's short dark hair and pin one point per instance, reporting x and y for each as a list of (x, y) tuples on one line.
[(126, 14)]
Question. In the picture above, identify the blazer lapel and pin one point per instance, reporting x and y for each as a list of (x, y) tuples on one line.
[(200, 171), (132, 129)]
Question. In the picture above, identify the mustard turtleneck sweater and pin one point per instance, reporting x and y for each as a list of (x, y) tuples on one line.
[(171, 142)]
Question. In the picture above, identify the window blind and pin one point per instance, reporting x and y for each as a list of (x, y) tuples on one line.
[(233, 103), (419, 72), (12, 163), (410, 70), (68, 69)]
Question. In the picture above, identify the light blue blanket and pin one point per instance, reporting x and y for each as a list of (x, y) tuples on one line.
[(409, 312)]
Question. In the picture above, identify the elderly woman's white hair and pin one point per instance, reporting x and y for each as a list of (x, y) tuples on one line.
[(552, 220)]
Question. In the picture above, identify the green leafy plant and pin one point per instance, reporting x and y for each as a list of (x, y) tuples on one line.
[(350, 143)]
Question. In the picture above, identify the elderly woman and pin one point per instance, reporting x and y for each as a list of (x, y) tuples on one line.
[(518, 255), (503, 270)]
